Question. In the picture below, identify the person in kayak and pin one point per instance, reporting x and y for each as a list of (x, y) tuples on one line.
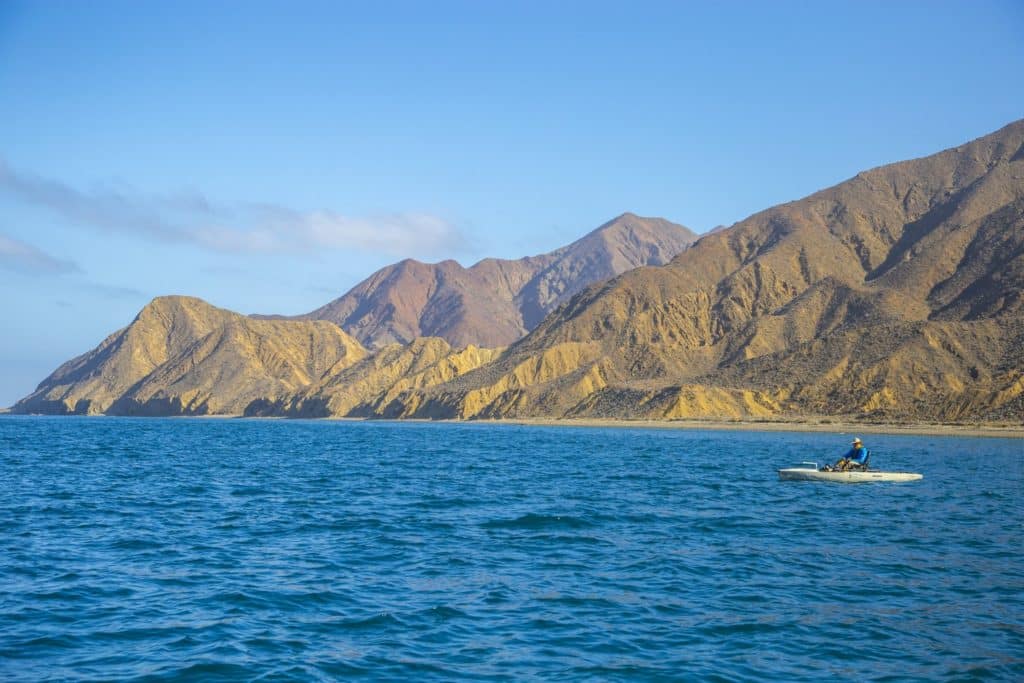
[(855, 458)]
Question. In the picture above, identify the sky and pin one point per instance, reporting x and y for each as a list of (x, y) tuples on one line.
[(267, 156)]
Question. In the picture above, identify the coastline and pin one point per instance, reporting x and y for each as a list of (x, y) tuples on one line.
[(823, 425)]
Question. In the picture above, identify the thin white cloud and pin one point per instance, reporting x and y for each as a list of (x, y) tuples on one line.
[(113, 291), (20, 257), (106, 209), (193, 218), (26, 259)]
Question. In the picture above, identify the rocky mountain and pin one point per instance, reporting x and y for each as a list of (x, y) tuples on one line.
[(895, 295), (380, 383), (182, 356), (496, 301), (898, 294)]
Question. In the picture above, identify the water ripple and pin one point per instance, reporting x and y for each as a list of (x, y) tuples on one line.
[(168, 550)]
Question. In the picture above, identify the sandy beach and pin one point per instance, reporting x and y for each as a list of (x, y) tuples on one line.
[(822, 425), (818, 425)]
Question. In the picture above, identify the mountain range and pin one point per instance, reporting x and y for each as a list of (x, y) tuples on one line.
[(183, 356), (496, 301), (895, 295)]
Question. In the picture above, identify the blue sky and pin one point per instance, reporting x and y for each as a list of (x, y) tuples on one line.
[(268, 156)]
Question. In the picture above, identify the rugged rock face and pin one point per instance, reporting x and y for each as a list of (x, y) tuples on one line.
[(182, 356), (896, 295), (496, 301), (372, 386)]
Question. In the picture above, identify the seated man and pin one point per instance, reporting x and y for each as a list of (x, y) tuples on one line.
[(855, 458)]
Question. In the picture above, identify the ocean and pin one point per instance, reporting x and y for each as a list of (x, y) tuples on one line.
[(210, 549)]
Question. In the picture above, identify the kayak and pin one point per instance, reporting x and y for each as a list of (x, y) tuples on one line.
[(810, 472)]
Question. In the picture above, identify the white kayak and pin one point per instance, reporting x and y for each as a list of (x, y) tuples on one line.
[(810, 472)]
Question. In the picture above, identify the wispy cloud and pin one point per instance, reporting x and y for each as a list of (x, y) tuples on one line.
[(194, 218), (113, 291), (25, 258)]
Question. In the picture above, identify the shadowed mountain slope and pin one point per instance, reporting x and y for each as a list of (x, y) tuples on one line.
[(496, 301)]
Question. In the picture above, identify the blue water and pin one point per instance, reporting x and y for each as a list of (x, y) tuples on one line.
[(288, 550)]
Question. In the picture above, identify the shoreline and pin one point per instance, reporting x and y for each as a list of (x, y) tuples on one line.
[(809, 425)]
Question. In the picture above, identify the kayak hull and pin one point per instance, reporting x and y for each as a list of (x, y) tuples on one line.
[(807, 474)]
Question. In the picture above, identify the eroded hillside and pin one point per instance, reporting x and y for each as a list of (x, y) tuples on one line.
[(496, 301), (897, 294), (182, 356)]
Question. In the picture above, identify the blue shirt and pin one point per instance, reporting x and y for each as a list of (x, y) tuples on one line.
[(857, 455)]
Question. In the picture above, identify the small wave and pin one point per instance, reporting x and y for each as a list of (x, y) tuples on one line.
[(240, 601), (382, 620), (249, 491), (443, 613), (445, 503), (59, 595), (535, 521), (205, 671), (137, 544), (341, 669), (564, 539), (272, 646), (620, 671), (575, 601), (41, 644)]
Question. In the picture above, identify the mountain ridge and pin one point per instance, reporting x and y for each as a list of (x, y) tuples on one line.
[(495, 301), (895, 295), (868, 250), (181, 355)]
